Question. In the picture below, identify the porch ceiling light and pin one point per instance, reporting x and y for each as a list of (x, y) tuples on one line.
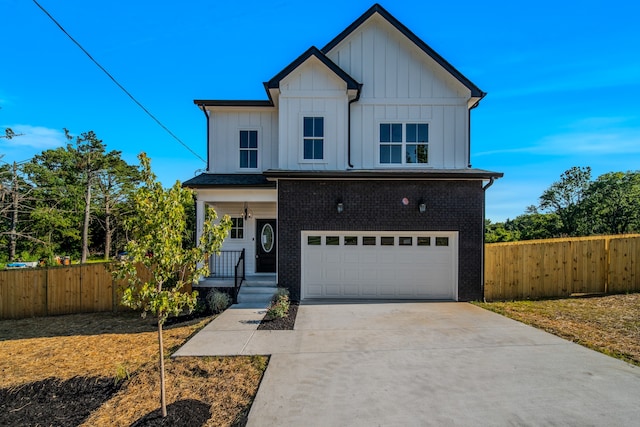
[(422, 207), (340, 207)]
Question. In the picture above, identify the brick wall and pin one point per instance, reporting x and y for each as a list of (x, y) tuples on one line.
[(376, 206)]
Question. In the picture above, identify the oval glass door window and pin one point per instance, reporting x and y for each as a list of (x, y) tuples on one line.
[(267, 238)]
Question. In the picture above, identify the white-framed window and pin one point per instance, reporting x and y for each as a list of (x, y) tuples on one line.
[(313, 138), (403, 143), (237, 228), (248, 149)]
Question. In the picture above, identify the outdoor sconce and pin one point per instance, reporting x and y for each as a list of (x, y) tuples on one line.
[(247, 212), (340, 207), (422, 207)]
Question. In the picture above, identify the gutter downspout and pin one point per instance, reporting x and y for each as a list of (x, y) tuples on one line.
[(469, 130), (206, 114), (349, 127), (484, 219)]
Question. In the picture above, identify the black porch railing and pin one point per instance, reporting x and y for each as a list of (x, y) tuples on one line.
[(223, 265), (229, 265), (239, 277)]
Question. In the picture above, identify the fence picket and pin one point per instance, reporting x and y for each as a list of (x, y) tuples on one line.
[(561, 267), (60, 290)]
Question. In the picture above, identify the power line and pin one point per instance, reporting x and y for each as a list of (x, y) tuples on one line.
[(138, 103)]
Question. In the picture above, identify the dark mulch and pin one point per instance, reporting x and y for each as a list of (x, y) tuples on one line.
[(53, 402), (282, 324), (188, 412)]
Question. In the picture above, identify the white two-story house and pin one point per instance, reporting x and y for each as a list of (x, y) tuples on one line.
[(352, 180)]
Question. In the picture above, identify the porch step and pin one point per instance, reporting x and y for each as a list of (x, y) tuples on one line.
[(251, 281), (260, 293)]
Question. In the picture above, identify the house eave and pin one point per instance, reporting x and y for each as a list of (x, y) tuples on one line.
[(236, 103), (388, 174), (211, 180)]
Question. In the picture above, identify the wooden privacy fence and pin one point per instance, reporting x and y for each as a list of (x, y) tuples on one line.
[(561, 267), (59, 290)]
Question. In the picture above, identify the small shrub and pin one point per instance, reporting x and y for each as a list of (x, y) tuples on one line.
[(280, 292), (279, 308), (122, 373), (201, 308), (218, 301)]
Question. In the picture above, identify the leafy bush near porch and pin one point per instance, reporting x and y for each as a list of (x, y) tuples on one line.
[(279, 307), (280, 292), (218, 301)]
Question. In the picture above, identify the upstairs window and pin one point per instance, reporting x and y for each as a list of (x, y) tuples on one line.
[(248, 149), (404, 143), (313, 132)]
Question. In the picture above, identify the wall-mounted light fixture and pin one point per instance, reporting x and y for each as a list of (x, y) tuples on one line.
[(247, 212), (422, 207), (339, 206)]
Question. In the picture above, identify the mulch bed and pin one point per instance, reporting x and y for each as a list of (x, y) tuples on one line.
[(187, 412), (283, 324), (53, 402)]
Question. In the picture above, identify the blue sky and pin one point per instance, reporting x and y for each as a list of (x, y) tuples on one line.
[(563, 78)]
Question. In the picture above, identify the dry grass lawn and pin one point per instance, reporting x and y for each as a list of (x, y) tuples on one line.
[(609, 324), (122, 348)]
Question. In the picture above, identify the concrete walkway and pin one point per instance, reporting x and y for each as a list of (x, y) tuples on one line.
[(421, 364)]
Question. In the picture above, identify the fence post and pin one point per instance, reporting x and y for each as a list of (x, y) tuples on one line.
[(114, 293), (46, 291), (607, 261)]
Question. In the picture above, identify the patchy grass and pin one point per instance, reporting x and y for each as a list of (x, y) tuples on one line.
[(609, 324), (40, 354)]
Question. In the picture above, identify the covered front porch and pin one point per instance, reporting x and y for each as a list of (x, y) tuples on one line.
[(247, 261)]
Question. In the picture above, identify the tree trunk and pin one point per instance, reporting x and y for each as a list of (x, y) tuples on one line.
[(163, 399), (85, 226), (14, 215)]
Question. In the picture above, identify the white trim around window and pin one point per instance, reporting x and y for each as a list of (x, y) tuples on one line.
[(404, 144), (313, 131), (237, 231), (248, 148)]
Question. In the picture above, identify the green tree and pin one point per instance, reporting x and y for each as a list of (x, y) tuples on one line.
[(57, 213), (115, 184), (90, 159), (612, 204), (498, 232), (533, 225), (563, 198), (15, 205), (157, 245), (72, 185)]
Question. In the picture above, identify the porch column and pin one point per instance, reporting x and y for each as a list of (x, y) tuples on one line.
[(200, 214)]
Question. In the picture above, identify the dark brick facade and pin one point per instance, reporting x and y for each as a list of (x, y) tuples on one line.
[(376, 205)]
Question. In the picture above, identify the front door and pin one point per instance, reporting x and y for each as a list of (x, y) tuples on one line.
[(266, 246)]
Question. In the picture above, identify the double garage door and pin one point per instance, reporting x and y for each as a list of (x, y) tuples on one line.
[(379, 265)]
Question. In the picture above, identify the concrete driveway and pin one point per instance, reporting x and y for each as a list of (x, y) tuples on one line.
[(422, 364)]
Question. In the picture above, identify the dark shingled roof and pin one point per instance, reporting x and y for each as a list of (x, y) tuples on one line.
[(210, 180), (313, 51)]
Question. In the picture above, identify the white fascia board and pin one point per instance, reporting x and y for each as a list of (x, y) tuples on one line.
[(238, 195)]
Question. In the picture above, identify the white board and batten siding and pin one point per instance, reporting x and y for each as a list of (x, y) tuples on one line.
[(402, 84), (225, 127), (408, 265), (312, 90)]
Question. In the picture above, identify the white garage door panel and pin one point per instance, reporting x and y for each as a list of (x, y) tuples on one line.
[(425, 267)]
